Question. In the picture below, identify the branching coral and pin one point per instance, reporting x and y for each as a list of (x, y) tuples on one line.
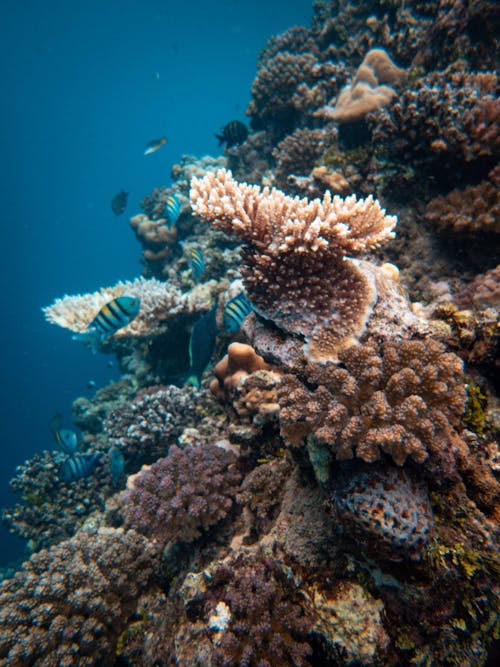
[(180, 496), (401, 398), (295, 266), (471, 211), (68, 605)]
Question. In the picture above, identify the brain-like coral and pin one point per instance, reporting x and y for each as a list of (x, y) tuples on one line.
[(386, 510), (404, 399), (295, 268), (183, 494), (156, 237), (476, 209), (68, 605)]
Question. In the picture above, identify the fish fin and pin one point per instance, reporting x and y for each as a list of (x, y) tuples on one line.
[(55, 423), (193, 380), (89, 339), (220, 138)]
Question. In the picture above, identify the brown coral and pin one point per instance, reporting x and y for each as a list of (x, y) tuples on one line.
[(68, 605), (238, 363), (295, 269), (475, 209), (404, 399)]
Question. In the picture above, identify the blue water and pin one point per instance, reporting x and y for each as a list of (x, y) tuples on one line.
[(85, 85)]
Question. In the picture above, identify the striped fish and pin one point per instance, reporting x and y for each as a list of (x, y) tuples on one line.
[(66, 440), (235, 312), (232, 134), (172, 210), (78, 466), (197, 263), (115, 315)]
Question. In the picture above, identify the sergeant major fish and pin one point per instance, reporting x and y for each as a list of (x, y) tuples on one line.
[(113, 316), (232, 134), (201, 346), (66, 440), (154, 145), (235, 312), (78, 466), (197, 263), (172, 210)]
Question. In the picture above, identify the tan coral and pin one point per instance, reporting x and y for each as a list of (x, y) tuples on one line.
[(240, 361), (350, 620), (160, 302), (155, 236), (367, 91), (295, 267)]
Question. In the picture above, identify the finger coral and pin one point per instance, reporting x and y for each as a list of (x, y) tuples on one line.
[(470, 211), (68, 605), (404, 399), (180, 496), (295, 268)]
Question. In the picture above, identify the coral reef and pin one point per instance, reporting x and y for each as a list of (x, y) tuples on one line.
[(156, 237), (471, 211), (483, 291), (404, 399), (180, 496), (294, 258), (68, 604)]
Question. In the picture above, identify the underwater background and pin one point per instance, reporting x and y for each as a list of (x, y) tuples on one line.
[(251, 334), (86, 86)]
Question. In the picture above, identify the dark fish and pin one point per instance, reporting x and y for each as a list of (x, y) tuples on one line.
[(232, 134), (235, 312), (197, 263), (119, 202), (201, 346), (78, 466), (115, 315), (66, 440), (172, 210), (154, 145), (116, 465), (91, 384)]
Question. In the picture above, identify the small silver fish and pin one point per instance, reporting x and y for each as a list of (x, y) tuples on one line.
[(154, 145)]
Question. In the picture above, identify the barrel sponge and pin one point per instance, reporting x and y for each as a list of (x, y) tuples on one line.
[(68, 604), (295, 267), (404, 399), (181, 495)]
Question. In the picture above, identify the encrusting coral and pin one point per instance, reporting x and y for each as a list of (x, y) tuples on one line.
[(68, 605), (295, 267), (180, 496), (367, 91)]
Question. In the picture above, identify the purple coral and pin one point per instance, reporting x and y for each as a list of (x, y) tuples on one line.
[(68, 605), (184, 493), (386, 510)]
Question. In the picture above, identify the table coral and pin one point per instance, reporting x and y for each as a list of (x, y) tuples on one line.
[(67, 606), (295, 268), (180, 496), (401, 398), (159, 302)]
